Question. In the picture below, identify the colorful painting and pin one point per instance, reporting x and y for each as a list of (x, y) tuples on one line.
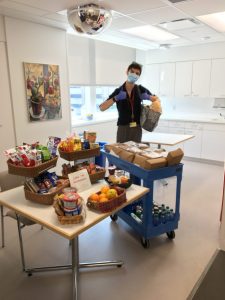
[(43, 92)]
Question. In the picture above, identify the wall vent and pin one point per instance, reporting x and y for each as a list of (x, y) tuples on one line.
[(176, 1)]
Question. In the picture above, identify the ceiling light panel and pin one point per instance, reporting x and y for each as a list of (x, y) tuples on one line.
[(216, 21), (151, 33)]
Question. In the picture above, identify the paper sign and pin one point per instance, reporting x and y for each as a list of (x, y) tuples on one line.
[(80, 180)]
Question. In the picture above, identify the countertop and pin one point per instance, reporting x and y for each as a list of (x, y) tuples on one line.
[(204, 118)]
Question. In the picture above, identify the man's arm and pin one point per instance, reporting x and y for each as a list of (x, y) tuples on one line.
[(106, 104)]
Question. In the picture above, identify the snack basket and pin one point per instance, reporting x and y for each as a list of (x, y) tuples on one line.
[(97, 176), (121, 185), (33, 171), (47, 198), (68, 219), (109, 205), (75, 155)]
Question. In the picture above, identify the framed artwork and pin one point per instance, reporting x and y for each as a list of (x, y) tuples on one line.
[(42, 92)]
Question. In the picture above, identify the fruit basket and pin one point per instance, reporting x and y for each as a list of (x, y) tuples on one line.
[(110, 204), (33, 171), (75, 155), (125, 185), (47, 198)]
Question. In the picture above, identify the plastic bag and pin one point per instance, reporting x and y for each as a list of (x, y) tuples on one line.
[(149, 118)]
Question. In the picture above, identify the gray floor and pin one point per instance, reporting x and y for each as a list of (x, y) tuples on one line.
[(167, 270)]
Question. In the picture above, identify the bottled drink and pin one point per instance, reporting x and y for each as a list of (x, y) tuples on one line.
[(171, 215), (156, 219)]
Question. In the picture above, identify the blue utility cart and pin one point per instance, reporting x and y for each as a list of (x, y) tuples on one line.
[(146, 229)]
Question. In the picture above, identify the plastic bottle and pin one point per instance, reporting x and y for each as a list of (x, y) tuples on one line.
[(138, 220), (156, 219), (171, 214)]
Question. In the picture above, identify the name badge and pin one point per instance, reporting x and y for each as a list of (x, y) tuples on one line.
[(133, 124)]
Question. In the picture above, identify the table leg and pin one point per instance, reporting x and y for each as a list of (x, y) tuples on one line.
[(2, 227), (75, 266)]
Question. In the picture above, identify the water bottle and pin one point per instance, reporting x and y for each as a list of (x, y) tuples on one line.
[(156, 219), (171, 215)]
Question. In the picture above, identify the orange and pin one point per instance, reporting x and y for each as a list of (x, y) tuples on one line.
[(94, 197), (102, 195), (105, 189), (103, 199)]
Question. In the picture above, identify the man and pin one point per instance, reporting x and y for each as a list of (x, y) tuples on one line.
[(128, 99)]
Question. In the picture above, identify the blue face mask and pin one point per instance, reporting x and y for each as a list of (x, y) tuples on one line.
[(132, 77)]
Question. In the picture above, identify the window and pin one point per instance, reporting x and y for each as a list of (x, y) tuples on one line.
[(85, 101)]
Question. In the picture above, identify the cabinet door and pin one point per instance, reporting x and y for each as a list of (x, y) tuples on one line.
[(201, 78), (217, 88), (192, 147), (167, 79), (183, 79), (151, 78), (213, 145)]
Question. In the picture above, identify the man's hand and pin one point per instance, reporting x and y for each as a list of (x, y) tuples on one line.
[(121, 96), (154, 98)]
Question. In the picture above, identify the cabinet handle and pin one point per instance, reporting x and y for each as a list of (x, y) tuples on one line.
[(195, 95), (187, 95)]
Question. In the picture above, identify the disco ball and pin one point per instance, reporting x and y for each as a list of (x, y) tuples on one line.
[(89, 18)]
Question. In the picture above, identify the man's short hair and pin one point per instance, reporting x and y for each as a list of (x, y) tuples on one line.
[(135, 65)]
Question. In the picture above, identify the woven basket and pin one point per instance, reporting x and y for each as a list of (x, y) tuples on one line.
[(46, 199), (109, 205), (31, 171), (75, 155), (71, 219), (97, 176)]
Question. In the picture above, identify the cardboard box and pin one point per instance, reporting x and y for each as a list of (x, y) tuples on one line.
[(174, 157), (140, 161), (156, 163), (128, 156)]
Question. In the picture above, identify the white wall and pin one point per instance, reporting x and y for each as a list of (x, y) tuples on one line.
[(112, 62), (94, 62), (7, 135), (35, 43)]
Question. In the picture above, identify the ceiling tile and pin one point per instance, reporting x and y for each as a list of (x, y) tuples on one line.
[(157, 16), (130, 7), (23, 8), (201, 7)]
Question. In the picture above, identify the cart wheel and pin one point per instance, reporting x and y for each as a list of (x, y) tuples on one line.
[(114, 217), (29, 274), (145, 243), (171, 235)]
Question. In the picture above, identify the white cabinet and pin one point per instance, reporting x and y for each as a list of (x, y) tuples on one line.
[(213, 142), (176, 127), (193, 147), (183, 79), (201, 78), (167, 79), (217, 87), (151, 80)]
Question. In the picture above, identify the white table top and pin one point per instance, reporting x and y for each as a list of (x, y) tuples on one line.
[(45, 214), (169, 139)]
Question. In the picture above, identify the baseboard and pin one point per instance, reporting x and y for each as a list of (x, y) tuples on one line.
[(204, 161)]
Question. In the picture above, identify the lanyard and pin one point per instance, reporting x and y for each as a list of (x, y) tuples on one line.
[(131, 100)]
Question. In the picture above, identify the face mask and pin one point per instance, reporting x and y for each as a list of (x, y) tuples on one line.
[(132, 77)]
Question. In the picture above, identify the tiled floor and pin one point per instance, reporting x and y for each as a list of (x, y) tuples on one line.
[(167, 270)]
